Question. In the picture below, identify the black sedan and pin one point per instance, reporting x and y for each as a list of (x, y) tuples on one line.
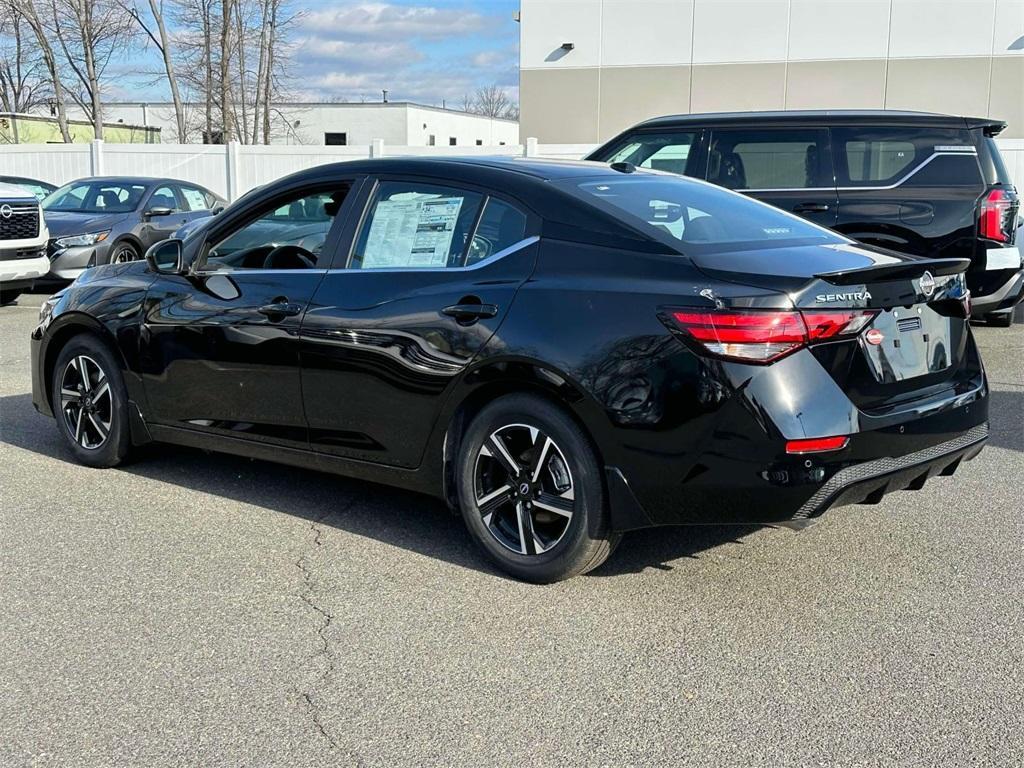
[(561, 351), (103, 220)]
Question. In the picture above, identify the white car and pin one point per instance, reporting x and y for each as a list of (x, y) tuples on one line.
[(23, 239)]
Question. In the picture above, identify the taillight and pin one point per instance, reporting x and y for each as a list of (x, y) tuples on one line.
[(996, 212), (754, 336)]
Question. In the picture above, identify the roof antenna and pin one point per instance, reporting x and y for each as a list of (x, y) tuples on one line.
[(623, 167)]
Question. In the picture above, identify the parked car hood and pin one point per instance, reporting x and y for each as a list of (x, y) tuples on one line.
[(63, 223)]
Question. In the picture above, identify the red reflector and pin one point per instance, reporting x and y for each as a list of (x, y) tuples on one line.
[(816, 444), (995, 209)]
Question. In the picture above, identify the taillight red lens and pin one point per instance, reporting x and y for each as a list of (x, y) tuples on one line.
[(764, 336), (816, 445), (995, 210)]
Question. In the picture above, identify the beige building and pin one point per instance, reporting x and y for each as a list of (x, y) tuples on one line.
[(589, 68)]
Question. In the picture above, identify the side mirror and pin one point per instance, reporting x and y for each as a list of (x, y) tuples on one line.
[(217, 209), (158, 211), (166, 257)]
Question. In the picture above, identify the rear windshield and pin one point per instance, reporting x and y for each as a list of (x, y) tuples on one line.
[(695, 217)]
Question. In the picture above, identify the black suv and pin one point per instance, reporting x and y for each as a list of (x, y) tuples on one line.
[(916, 182)]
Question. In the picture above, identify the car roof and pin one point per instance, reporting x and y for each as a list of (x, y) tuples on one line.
[(826, 116), (455, 167), (146, 180)]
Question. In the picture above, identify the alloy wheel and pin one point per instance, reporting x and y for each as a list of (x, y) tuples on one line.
[(86, 402), (123, 255), (523, 489)]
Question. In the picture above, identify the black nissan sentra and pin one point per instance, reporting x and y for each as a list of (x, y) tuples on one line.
[(561, 351)]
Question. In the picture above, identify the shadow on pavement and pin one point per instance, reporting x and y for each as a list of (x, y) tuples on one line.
[(400, 518)]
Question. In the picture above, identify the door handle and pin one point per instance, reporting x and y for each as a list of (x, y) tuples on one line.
[(810, 208), (279, 309), (470, 313)]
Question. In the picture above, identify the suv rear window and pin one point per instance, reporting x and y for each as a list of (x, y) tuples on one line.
[(693, 217), (877, 156), (772, 158)]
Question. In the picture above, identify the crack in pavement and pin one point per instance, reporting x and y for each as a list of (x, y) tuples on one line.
[(326, 617)]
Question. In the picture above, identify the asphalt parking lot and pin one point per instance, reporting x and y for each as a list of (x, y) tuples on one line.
[(197, 609)]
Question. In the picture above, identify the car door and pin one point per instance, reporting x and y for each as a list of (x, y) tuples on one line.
[(220, 346), (790, 168), (432, 270), (162, 214)]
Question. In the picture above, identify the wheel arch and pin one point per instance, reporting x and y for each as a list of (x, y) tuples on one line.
[(499, 378), (127, 237), (60, 334)]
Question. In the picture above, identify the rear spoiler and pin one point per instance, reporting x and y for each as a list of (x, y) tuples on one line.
[(988, 126), (900, 270)]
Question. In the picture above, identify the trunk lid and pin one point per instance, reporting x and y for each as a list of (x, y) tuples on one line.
[(916, 344)]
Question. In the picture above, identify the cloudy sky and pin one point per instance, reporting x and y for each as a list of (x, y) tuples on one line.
[(426, 51), (419, 51)]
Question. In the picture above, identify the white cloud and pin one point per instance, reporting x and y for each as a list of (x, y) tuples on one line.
[(382, 21)]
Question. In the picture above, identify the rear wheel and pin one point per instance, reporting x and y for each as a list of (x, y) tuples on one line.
[(90, 402), (1000, 319), (530, 491), (9, 296)]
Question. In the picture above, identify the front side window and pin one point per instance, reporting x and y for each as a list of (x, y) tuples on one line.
[(416, 226), (699, 219), (290, 235), (165, 198), (96, 197), (661, 151), (768, 159), (878, 156)]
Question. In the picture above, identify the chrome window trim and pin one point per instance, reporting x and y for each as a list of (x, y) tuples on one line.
[(223, 271), (524, 243)]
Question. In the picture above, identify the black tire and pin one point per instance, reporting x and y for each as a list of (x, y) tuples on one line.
[(554, 549), (1000, 319), (9, 296), (110, 408), (123, 251)]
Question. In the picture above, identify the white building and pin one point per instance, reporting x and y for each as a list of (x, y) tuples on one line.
[(590, 68), (397, 123)]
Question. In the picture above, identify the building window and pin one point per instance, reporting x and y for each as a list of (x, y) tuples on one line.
[(479, 142), (501, 143), (451, 141), (432, 140), (336, 139)]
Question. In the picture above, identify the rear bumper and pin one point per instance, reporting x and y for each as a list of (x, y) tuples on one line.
[(1006, 296), (867, 483)]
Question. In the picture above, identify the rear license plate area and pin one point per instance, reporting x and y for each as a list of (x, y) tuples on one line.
[(904, 343)]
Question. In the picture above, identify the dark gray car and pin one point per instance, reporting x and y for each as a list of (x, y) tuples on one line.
[(112, 219)]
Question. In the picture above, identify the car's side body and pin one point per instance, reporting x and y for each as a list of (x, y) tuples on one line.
[(160, 206), (376, 372), (913, 182)]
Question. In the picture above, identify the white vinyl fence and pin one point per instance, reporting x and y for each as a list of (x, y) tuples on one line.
[(230, 169), (233, 169)]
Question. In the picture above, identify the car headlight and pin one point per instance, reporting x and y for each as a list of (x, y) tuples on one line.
[(75, 240), (46, 310)]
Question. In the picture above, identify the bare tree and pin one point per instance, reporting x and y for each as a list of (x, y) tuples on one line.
[(493, 101), (89, 33), (23, 84), (155, 29), (27, 11)]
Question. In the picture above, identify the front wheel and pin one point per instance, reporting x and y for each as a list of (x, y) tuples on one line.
[(530, 491), (90, 402), (123, 252)]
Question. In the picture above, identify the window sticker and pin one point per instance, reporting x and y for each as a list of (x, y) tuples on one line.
[(411, 233)]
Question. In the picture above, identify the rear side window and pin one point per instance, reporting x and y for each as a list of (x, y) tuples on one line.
[(769, 159), (662, 151), (195, 199), (877, 156)]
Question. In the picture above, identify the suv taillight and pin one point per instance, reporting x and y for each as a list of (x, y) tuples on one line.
[(753, 336), (997, 213)]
